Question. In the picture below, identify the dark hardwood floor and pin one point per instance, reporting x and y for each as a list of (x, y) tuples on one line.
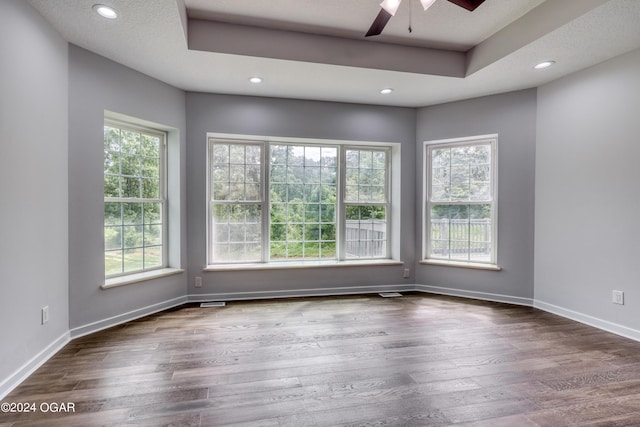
[(418, 360)]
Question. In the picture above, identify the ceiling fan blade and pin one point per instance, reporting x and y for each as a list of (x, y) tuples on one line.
[(379, 23), (470, 5)]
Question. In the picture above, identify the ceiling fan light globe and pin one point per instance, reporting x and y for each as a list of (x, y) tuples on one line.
[(426, 4), (390, 6)]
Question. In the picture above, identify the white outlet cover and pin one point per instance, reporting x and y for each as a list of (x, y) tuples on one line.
[(45, 314), (618, 297)]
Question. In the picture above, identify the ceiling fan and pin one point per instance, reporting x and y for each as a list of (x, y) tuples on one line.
[(389, 8)]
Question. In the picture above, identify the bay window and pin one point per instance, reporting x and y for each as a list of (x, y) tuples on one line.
[(276, 201)]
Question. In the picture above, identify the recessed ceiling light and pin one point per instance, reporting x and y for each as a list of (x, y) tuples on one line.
[(255, 80), (386, 91), (545, 64), (105, 11)]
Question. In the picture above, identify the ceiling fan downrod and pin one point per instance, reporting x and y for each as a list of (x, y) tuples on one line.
[(388, 8)]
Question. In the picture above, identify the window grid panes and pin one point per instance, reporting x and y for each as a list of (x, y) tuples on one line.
[(461, 203), (134, 223), (236, 201), (302, 196), (366, 201), (304, 202)]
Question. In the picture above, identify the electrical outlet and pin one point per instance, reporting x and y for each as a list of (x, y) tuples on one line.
[(198, 283), (406, 273), (45, 314), (618, 297)]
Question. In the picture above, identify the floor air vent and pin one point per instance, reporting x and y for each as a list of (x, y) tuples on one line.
[(213, 304), (390, 294)]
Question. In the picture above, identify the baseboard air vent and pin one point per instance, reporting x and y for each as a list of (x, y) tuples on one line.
[(213, 304)]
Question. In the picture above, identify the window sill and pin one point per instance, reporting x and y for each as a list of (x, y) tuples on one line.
[(462, 264), (129, 279), (302, 264)]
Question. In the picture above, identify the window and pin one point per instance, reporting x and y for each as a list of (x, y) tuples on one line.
[(237, 197), (366, 203), (460, 193), (302, 201), (134, 199), (279, 202)]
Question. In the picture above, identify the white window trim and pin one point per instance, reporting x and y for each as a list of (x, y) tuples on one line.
[(135, 276), (426, 196), (462, 264), (393, 196), (114, 282), (282, 265)]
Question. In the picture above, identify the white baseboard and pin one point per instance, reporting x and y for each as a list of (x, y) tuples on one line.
[(485, 296), (605, 325), (235, 296), (296, 293), (595, 322), (125, 317), (30, 367)]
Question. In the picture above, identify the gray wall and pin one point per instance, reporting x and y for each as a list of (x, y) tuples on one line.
[(587, 197), (291, 118), (33, 186), (513, 117), (97, 84)]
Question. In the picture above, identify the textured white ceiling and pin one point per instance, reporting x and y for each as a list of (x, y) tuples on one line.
[(509, 36)]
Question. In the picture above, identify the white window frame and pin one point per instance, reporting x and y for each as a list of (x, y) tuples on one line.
[(121, 278), (428, 146), (342, 204), (262, 197), (393, 156), (267, 209)]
